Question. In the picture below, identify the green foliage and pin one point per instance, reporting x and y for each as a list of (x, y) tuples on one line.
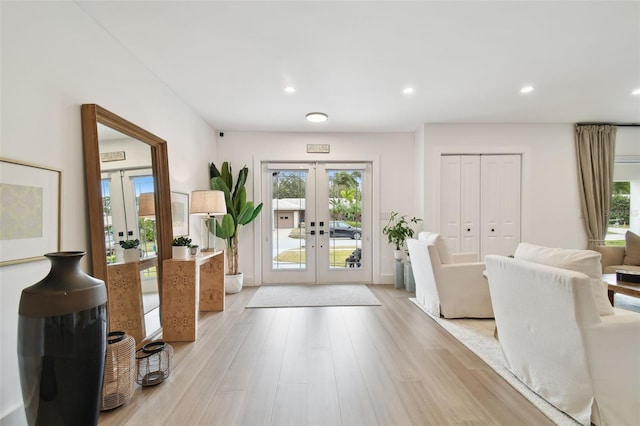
[(621, 188), (181, 241), (288, 184), (620, 208), (398, 229), (129, 244), (240, 212)]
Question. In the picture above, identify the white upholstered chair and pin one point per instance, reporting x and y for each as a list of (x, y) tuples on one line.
[(448, 284), (560, 338)]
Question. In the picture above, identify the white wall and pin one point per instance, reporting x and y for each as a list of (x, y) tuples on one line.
[(550, 205), (392, 155), (55, 58)]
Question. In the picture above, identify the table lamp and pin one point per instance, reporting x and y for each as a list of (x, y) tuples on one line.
[(208, 203), (146, 211)]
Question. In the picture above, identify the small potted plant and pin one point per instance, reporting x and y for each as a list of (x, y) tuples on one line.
[(180, 247), (194, 249), (397, 230), (131, 250)]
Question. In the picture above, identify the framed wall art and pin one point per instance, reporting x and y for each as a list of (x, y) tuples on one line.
[(180, 213), (30, 211)]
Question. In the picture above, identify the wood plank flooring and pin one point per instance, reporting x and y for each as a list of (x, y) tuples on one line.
[(373, 365)]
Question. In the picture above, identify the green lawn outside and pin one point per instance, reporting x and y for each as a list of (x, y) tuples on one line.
[(337, 257)]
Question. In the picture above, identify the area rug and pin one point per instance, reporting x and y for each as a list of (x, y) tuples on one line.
[(477, 336), (281, 296)]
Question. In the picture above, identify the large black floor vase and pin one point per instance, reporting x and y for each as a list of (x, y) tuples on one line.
[(62, 329)]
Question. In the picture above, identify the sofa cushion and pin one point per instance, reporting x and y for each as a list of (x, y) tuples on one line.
[(632, 249), (443, 250), (441, 246), (583, 261)]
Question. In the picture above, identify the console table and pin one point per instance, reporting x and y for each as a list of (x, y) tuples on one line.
[(124, 289), (188, 287)]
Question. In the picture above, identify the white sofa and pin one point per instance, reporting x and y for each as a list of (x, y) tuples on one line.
[(557, 341), (448, 284)]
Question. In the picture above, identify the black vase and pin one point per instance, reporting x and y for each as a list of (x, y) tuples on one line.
[(62, 329)]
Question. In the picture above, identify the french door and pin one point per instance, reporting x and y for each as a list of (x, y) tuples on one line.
[(319, 223)]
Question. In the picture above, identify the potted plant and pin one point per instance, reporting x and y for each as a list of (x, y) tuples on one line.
[(131, 251), (180, 247), (194, 249), (240, 212), (397, 230)]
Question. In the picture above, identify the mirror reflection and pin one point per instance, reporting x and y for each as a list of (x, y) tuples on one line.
[(128, 204)]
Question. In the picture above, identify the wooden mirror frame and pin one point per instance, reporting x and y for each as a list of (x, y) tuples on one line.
[(93, 114)]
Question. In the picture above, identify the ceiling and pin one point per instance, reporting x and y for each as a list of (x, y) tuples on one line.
[(467, 61)]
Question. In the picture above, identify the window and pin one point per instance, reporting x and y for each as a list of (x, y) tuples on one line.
[(625, 200)]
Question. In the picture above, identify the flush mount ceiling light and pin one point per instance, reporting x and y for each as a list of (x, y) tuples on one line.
[(408, 90), (290, 89), (317, 117), (526, 89), (636, 92)]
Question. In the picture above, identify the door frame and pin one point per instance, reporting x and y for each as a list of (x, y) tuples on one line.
[(376, 237)]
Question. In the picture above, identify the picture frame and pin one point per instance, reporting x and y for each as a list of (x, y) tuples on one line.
[(180, 213), (30, 217)]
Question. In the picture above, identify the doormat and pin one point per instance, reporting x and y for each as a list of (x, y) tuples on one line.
[(287, 296)]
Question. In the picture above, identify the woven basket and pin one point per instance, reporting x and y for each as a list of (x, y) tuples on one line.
[(119, 371)]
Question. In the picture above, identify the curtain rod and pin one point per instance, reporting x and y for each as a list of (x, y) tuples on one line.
[(610, 124)]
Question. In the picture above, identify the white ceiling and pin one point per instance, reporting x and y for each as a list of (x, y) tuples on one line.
[(467, 61)]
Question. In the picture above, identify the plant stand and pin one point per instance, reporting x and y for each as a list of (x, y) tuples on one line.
[(409, 282), (398, 274)]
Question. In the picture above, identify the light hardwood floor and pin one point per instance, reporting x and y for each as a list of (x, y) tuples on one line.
[(378, 365)]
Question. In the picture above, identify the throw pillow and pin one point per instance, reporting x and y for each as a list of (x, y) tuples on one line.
[(632, 249), (583, 261)]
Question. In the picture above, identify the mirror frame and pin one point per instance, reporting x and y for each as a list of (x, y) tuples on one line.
[(93, 114)]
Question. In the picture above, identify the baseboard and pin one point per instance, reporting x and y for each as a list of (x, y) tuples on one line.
[(15, 417)]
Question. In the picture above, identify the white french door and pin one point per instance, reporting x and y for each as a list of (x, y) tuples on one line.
[(319, 223)]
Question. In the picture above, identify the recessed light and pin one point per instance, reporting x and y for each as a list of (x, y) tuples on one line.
[(526, 89), (408, 90), (636, 92), (290, 89), (317, 117)]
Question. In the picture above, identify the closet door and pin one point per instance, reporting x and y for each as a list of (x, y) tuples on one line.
[(460, 207), (470, 203), (500, 204), (450, 189)]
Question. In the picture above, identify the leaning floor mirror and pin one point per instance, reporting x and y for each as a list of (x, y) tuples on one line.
[(129, 207)]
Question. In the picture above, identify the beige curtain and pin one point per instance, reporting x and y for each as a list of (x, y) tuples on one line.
[(595, 150)]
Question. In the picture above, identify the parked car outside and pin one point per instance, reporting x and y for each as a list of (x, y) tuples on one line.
[(339, 228)]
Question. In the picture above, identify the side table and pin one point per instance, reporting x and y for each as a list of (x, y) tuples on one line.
[(188, 286)]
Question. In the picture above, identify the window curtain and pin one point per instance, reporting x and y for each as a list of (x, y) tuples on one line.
[(595, 150)]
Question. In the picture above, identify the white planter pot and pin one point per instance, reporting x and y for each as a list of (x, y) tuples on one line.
[(397, 254), (131, 255), (233, 283), (180, 252)]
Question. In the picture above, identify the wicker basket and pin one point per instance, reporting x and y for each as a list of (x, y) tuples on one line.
[(119, 371)]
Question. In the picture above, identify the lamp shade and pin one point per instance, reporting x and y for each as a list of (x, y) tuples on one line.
[(208, 202), (146, 204)]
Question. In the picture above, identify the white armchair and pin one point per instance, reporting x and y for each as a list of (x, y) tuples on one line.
[(556, 340), (447, 284)]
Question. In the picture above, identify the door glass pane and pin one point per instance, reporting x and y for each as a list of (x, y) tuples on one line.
[(289, 205), (345, 213)]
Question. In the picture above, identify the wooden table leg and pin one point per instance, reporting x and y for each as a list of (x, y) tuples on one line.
[(610, 294)]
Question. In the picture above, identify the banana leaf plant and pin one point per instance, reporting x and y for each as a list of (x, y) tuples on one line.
[(240, 212)]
